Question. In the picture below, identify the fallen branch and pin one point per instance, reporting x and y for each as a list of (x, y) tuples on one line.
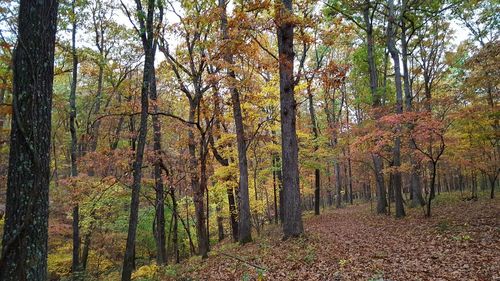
[(244, 261)]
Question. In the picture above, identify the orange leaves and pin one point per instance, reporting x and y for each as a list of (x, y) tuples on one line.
[(5, 109)]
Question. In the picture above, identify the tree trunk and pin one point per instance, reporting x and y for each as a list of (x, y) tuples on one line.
[(276, 212), (161, 252), (129, 257), (220, 224), (493, 183), (24, 251), (233, 213), (75, 261), (391, 44), (86, 249), (244, 225), (292, 225), (315, 136), (175, 212), (372, 68), (197, 188), (338, 185)]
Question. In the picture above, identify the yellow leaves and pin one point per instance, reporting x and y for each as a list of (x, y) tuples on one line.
[(146, 272)]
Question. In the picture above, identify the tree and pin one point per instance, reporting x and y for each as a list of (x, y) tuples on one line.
[(244, 227), (292, 225), (24, 251), (146, 32), (391, 44)]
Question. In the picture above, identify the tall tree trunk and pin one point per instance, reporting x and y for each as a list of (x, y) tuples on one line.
[(75, 262), (415, 180), (391, 44), (292, 225), (315, 132), (197, 188), (161, 251), (175, 212), (244, 225), (372, 68), (24, 251), (129, 257)]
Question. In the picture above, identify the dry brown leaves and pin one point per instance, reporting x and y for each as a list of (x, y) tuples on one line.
[(460, 242)]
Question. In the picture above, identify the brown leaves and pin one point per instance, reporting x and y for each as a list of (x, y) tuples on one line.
[(459, 243)]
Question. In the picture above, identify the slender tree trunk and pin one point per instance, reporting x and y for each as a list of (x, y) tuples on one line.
[(24, 244), (292, 225), (161, 252), (415, 181), (338, 185), (432, 189), (86, 249), (372, 68), (175, 212), (493, 184), (220, 224), (315, 135), (129, 257), (197, 188), (276, 212), (391, 44), (244, 225), (75, 262)]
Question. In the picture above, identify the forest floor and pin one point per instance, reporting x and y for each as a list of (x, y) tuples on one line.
[(461, 241)]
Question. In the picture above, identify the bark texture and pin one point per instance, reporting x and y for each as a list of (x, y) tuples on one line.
[(24, 251)]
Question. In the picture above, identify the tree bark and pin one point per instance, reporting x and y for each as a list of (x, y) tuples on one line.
[(391, 44), (24, 251), (292, 225)]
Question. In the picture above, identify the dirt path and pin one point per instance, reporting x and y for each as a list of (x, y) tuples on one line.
[(460, 242)]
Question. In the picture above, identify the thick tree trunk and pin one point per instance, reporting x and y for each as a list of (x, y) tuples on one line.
[(244, 225), (391, 44), (196, 186), (24, 251), (292, 225)]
